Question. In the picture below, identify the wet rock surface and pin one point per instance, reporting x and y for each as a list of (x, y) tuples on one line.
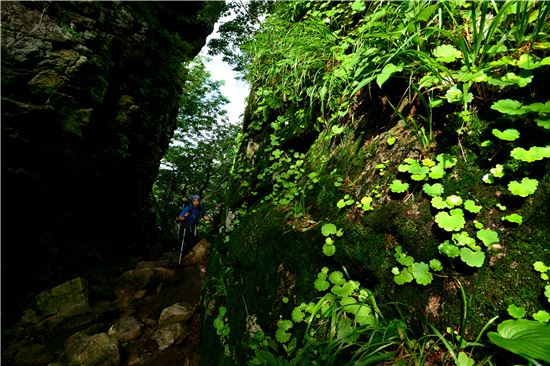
[(154, 320)]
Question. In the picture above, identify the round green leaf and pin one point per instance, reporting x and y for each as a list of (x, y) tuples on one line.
[(436, 265), (497, 171), (448, 249), (487, 236), (515, 218), (404, 277), (509, 106), (471, 206), (524, 188), (471, 258), (541, 316), (533, 154), (337, 278), (439, 203), (398, 187), (421, 273), (450, 222), (446, 53), (329, 250), (328, 229), (515, 311), (446, 160), (433, 190), (509, 134), (454, 200)]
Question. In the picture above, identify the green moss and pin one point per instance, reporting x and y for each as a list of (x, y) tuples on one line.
[(267, 264)]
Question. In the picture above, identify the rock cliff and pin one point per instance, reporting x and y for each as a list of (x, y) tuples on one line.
[(90, 94)]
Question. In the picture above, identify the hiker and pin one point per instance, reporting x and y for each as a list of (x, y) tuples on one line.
[(188, 219)]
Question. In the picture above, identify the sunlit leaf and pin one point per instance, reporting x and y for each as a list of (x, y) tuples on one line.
[(541, 316), (487, 236), (436, 265), (448, 249), (524, 337), (524, 188), (533, 154), (453, 221), (515, 311), (508, 106), (472, 258), (387, 71), (509, 134), (543, 122), (433, 190), (515, 218), (328, 229), (470, 205), (439, 203), (446, 53), (404, 277), (421, 273), (358, 6), (329, 250), (398, 187)]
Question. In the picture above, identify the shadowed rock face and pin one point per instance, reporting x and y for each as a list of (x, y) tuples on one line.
[(89, 102)]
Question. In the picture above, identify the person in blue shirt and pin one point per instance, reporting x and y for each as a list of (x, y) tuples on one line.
[(188, 219)]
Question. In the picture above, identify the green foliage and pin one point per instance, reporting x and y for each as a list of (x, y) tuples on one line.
[(328, 229), (386, 72), (419, 271), (515, 218), (542, 316), (433, 190), (220, 323), (446, 53), (513, 107), (326, 62), (321, 283), (526, 338), (439, 203), (509, 134), (471, 257), (471, 206), (488, 236), (524, 188), (450, 221), (533, 154), (398, 187), (454, 200), (449, 249), (282, 334), (516, 312)]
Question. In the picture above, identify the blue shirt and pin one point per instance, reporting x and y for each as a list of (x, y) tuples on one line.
[(195, 214)]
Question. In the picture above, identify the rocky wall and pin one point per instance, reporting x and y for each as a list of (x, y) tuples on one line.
[(90, 94)]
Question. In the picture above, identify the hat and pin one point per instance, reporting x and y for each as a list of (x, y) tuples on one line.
[(194, 197)]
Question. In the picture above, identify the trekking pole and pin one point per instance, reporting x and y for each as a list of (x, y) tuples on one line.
[(182, 242)]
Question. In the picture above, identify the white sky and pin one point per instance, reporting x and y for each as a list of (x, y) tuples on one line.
[(234, 90)]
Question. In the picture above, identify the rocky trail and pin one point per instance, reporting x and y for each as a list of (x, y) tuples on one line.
[(154, 320)]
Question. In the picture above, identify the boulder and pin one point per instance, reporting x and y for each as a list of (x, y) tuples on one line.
[(95, 350), (170, 334), (125, 329), (67, 296), (177, 313)]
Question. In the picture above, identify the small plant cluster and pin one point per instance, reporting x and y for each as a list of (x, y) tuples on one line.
[(222, 329), (451, 218), (419, 271), (334, 320), (330, 231)]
